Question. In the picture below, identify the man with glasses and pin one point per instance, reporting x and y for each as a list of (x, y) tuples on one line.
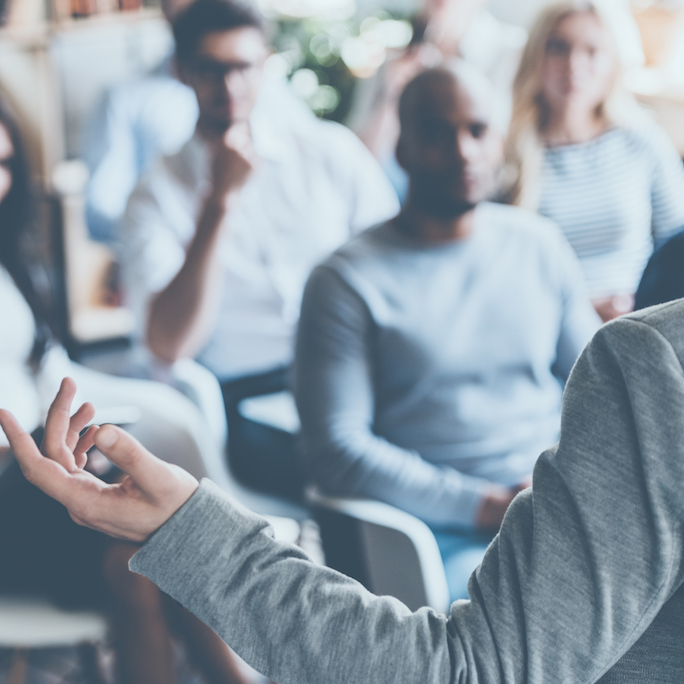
[(218, 240), (143, 119)]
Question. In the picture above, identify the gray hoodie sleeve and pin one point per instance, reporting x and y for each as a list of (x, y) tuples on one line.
[(549, 602)]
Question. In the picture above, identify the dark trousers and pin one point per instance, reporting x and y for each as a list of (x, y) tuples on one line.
[(261, 456), (42, 550)]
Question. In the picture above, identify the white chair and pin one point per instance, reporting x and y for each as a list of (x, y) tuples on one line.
[(32, 623), (190, 378), (277, 410), (202, 388), (389, 551), (200, 385)]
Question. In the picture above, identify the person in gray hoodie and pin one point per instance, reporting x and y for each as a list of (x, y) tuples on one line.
[(583, 583)]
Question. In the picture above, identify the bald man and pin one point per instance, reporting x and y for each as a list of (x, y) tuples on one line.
[(432, 349)]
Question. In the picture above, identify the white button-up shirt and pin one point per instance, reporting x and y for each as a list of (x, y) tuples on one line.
[(315, 186)]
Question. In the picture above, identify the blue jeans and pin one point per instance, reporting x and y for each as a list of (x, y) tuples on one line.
[(461, 553)]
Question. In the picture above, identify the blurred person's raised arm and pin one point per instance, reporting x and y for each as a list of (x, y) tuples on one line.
[(149, 248), (334, 385), (183, 314)]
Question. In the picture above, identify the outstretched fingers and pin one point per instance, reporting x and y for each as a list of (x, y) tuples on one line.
[(49, 476), (57, 426), (21, 442), (62, 431), (77, 422)]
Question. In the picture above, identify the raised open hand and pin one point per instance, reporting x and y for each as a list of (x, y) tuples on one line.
[(148, 496), (64, 442), (234, 161)]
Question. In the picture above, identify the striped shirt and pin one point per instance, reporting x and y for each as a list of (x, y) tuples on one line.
[(614, 198)]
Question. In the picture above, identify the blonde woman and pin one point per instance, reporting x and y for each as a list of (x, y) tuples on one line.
[(582, 152)]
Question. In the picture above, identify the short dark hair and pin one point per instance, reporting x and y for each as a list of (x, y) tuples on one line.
[(208, 16)]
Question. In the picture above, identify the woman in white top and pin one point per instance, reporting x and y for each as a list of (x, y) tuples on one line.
[(42, 549), (583, 153)]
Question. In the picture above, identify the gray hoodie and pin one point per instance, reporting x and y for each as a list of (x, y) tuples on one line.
[(583, 582)]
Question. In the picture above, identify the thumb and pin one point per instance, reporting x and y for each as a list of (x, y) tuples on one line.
[(238, 137), (146, 470)]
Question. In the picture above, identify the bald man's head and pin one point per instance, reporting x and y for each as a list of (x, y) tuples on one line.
[(451, 141)]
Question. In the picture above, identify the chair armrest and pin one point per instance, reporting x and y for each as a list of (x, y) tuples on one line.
[(381, 515), (200, 385), (277, 410)]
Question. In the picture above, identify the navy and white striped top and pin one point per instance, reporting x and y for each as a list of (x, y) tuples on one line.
[(614, 197)]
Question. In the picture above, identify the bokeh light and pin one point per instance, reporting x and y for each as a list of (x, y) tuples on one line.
[(325, 46)]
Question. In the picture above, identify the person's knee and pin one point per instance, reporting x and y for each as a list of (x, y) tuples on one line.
[(128, 588)]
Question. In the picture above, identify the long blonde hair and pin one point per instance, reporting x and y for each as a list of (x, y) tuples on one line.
[(525, 147)]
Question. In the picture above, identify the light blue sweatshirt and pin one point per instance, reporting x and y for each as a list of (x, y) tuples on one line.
[(422, 374)]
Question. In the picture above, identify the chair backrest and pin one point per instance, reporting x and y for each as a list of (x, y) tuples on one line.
[(390, 552), (203, 389)]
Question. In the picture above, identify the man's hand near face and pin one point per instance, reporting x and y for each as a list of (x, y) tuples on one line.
[(225, 71), (133, 509), (234, 162), (182, 315)]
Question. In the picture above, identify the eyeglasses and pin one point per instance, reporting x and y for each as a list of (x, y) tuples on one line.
[(210, 71)]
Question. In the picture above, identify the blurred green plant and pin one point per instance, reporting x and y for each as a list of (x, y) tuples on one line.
[(325, 47)]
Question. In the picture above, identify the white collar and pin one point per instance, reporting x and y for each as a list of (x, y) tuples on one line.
[(268, 138)]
